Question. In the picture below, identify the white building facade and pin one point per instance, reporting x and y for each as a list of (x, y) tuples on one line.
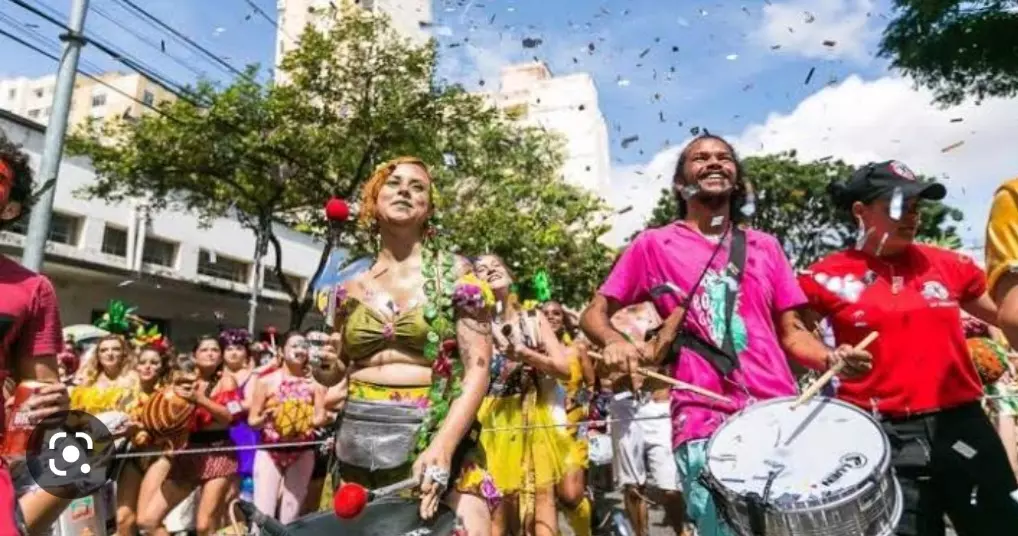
[(411, 18), (185, 278), (33, 97), (567, 105)]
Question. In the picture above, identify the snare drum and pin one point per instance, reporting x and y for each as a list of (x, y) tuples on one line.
[(822, 469)]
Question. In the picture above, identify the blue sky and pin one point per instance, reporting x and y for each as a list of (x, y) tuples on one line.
[(739, 70)]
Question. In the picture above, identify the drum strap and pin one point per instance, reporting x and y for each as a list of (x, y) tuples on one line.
[(726, 358), (757, 523)]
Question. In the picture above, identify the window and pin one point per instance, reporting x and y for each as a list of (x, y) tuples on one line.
[(115, 241), (271, 282), (159, 252), (12, 94), (222, 267), (39, 93), (33, 114), (99, 100), (63, 228), (148, 98)]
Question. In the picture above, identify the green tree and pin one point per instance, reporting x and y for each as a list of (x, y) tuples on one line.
[(956, 49), (356, 95), (792, 203)]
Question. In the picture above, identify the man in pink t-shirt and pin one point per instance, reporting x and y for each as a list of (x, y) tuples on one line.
[(29, 342), (742, 357)]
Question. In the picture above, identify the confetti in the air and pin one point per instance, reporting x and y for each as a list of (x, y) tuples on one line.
[(810, 75), (953, 146), (828, 43), (626, 142), (531, 42), (732, 57)]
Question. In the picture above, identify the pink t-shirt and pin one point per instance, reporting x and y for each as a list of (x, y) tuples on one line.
[(677, 255)]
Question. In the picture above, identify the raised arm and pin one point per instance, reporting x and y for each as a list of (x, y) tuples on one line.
[(552, 359)]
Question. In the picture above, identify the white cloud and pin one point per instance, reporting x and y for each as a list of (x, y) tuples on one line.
[(639, 187), (803, 26), (862, 121)]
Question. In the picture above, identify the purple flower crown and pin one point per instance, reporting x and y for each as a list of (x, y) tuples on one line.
[(235, 337)]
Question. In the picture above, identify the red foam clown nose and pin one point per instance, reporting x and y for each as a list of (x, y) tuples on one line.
[(337, 210), (349, 501)]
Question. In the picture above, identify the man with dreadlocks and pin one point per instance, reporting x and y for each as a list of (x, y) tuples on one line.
[(29, 343), (724, 285)]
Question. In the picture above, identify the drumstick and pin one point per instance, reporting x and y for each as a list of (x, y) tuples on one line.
[(678, 384), (820, 382)]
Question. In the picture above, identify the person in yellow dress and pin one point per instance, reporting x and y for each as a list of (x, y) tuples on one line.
[(527, 454)]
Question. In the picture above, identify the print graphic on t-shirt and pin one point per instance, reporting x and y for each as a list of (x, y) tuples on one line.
[(709, 310), (935, 291), (848, 288)]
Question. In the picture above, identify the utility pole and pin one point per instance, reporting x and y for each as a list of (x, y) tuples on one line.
[(52, 154), (261, 247)]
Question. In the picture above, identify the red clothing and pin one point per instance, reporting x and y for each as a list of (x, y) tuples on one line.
[(29, 327), (29, 317), (920, 360)]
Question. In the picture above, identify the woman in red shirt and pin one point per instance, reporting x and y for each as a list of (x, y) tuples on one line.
[(923, 385)]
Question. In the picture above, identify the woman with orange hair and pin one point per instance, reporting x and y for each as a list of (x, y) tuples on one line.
[(414, 343)]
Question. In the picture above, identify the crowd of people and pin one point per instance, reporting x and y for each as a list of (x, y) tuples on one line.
[(433, 366)]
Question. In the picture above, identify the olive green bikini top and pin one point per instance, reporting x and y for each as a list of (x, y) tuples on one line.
[(368, 331)]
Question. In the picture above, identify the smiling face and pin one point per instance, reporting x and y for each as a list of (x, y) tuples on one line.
[(709, 163), (295, 350), (490, 269), (556, 316), (876, 218), (404, 198)]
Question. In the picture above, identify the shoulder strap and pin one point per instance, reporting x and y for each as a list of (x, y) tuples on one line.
[(736, 265), (726, 359)]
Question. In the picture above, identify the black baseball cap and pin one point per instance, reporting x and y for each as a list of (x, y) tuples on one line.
[(879, 180)]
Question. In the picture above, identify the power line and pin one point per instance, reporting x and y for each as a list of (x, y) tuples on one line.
[(158, 22), (173, 87), (264, 15), (161, 47), (94, 78)]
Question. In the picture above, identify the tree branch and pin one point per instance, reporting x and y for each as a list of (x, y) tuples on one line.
[(277, 249)]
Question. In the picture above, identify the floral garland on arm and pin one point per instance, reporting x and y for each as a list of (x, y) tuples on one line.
[(446, 294)]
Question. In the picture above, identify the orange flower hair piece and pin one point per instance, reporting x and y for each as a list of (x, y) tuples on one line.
[(369, 193)]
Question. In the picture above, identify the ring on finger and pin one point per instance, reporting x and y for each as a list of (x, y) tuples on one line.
[(438, 475)]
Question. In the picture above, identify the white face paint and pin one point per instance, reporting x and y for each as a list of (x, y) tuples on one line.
[(897, 203), (689, 191)]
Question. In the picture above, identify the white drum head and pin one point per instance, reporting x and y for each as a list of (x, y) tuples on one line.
[(816, 451)]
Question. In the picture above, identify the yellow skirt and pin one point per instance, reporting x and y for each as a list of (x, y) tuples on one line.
[(473, 479), (544, 447), (576, 412)]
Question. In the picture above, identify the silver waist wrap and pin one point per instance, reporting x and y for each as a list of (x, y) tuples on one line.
[(377, 435)]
